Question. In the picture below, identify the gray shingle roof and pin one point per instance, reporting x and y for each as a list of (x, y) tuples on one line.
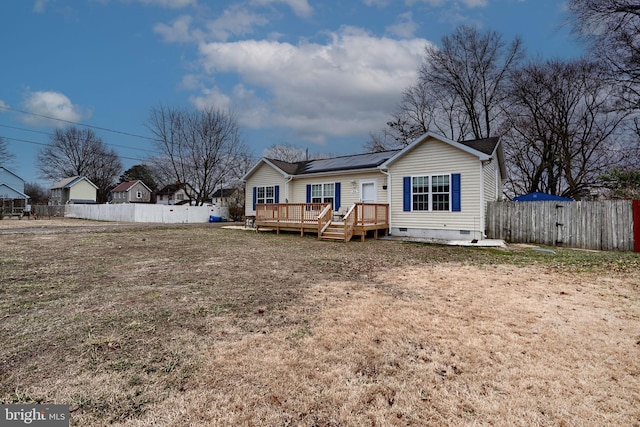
[(486, 145), (356, 161)]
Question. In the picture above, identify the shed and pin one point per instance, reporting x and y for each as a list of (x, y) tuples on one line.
[(541, 197)]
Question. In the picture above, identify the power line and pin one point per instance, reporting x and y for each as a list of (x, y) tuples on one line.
[(42, 143), (4, 107), (50, 134)]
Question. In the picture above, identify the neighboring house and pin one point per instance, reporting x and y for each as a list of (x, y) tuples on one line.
[(434, 188), (225, 197), (13, 201), (73, 190), (174, 194), (131, 192)]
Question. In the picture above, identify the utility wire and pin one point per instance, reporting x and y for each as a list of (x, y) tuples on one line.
[(41, 143), (4, 107), (50, 134)]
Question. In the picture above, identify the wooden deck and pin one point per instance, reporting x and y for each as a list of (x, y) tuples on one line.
[(318, 218)]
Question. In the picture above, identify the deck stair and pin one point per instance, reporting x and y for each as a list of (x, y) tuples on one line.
[(335, 231)]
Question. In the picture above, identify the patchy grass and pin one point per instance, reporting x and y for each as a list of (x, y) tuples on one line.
[(198, 325)]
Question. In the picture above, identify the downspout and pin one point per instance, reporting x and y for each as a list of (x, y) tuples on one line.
[(483, 206), (286, 189), (388, 196)]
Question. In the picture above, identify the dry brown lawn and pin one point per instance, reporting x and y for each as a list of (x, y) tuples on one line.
[(199, 325)]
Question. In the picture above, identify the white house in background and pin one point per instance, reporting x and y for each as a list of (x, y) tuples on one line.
[(434, 188), (73, 190), (175, 194), (131, 192)]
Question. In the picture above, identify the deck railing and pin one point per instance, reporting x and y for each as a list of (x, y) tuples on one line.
[(289, 212), (324, 219), (350, 223), (372, 213)]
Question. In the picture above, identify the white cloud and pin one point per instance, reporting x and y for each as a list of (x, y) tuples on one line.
[(3, 106), (235, 21), (450, 3), (300, 7), (345, 87), (39, 6), (179, 31), (51, 104), (404, 27), (173, 4)]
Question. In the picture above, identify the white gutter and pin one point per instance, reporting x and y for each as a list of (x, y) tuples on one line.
[(388, 195)]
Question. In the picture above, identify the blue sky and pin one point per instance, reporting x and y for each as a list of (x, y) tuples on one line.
[(320, 75)]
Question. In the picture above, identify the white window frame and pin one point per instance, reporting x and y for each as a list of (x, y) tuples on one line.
[(322, 197), (265, 199), (430, 193)]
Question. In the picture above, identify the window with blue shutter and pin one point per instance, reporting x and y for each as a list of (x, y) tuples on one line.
[(255, 197), (277, 194), (308, 193), (456, 205), (431, 193), (337, 196), (406, 194)]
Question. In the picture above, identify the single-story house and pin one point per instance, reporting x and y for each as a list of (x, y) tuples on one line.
[(433, 188), (12, 197), (73, 190), (131, 192), (174, 194)]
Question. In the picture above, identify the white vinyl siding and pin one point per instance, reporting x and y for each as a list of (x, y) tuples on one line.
[(434, 157), (492, 183), (349, 187), (265, 175), (82, 190)]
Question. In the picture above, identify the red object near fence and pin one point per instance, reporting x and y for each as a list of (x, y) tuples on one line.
[(636, 225)]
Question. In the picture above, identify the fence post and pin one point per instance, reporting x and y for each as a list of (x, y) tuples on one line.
[(636, 225)]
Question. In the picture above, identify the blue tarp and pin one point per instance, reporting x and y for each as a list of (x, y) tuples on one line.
[(541, 197)]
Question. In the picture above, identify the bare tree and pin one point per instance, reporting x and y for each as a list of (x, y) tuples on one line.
[(80, 152), (466, 79), (612, 29), (286, 153), (561, 130), (199, 148), (37, 193), (6, 156)]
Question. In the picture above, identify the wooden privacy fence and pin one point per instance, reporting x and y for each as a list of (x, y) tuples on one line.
[(605, 225)]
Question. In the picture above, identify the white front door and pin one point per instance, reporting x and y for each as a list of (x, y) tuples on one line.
[(368, 192)]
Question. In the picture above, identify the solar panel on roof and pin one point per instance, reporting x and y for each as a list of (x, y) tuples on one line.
[(358, 161)]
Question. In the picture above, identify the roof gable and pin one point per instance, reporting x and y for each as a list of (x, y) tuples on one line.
[(481, 148), (7, 191), (71, 181), (128, 185), (11, 173)]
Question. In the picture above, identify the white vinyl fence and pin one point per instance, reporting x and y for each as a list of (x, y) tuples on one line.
[(135, 212)]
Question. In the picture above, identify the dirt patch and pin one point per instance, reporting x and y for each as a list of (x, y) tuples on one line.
[(211, 326)]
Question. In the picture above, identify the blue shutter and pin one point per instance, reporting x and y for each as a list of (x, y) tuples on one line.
[(255, 197), (276, 192), (406, 194), (455, 193), (336, 200), (308, 193)]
